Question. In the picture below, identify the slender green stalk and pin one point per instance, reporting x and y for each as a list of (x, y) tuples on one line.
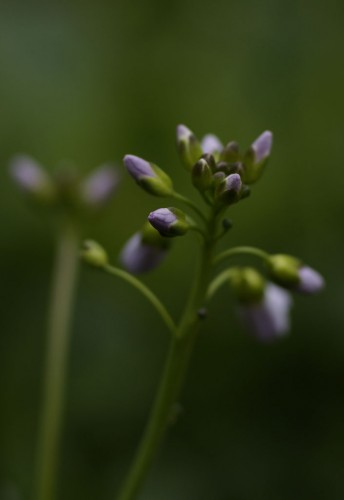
[(240, 251), (63, 285), (153, 299), (180, 351)]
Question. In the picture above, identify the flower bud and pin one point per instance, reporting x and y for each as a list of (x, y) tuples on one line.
[(94, 254), (212, 145), (169, 222), (256, 157), (99, 186), (247, 284), (188, 146), (32, 179), (228, 190), (289, 272), (268, 319), (149, 176), (201, 176), (144, 251), (230, 153)]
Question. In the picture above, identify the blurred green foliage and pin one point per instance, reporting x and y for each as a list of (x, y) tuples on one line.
[(86, 82)]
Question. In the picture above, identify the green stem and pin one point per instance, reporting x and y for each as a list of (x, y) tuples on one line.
[(62, 296), (150, 296), (240, 251), (174, 373)]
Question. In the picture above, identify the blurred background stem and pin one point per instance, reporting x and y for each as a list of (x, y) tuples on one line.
[(62, 298)]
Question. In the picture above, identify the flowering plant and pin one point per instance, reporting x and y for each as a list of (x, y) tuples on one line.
[(223, 176)]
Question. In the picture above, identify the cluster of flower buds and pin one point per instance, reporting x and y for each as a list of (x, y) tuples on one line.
[(65, 188), (222, 173), (264, 305)]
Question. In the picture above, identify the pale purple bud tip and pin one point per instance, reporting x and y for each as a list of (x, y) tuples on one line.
[(268, 319), (99, 187), (233, 183), (183, 132), (262, 146), (28, 174), (162, 219), (137, 167), (310, 280), (211, 144), (138, 257)]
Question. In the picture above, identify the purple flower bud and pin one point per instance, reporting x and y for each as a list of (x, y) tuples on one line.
[(211, 144), (310, 280), (233, 183), (169, 221), (262, 146), (137, 167), (99, 187), (32, 179), (27, 173), (183, 133), (188, 146), (268, 319), (138, 257), (228, 190)]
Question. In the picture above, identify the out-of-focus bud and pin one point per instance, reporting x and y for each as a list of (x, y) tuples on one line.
[(310, 281), (268, 319), (189, 148), (149, 176), (169, 222), (94, 254), (230, 153), (289, 272), (256, 157), (98, 188), (201, 175), (228, 190), (247, 284), (32, 179), (144, 251), (212, 145)]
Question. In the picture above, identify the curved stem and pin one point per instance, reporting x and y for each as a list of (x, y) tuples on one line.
[(218, 282), (63, 285), (244, 250), (150, 296), (191, 204), (173, 376)]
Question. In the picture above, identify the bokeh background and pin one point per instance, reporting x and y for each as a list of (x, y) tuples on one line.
[(87, 82)]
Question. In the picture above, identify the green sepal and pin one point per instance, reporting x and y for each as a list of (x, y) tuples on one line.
[(248, 284)]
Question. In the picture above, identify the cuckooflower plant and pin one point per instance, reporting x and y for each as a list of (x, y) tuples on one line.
[(222, 175), (70, 198)]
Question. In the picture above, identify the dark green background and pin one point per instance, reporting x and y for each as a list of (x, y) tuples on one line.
[(90, 81)]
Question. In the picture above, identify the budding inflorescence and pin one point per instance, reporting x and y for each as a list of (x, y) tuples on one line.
[(222, 174), (65, 188)]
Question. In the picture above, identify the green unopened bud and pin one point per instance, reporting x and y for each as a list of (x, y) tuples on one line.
[(248, 284), (94, 254), (149, 176), (189, 148), (230, 153), (152, 237), (284, 269), (202, 177)]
